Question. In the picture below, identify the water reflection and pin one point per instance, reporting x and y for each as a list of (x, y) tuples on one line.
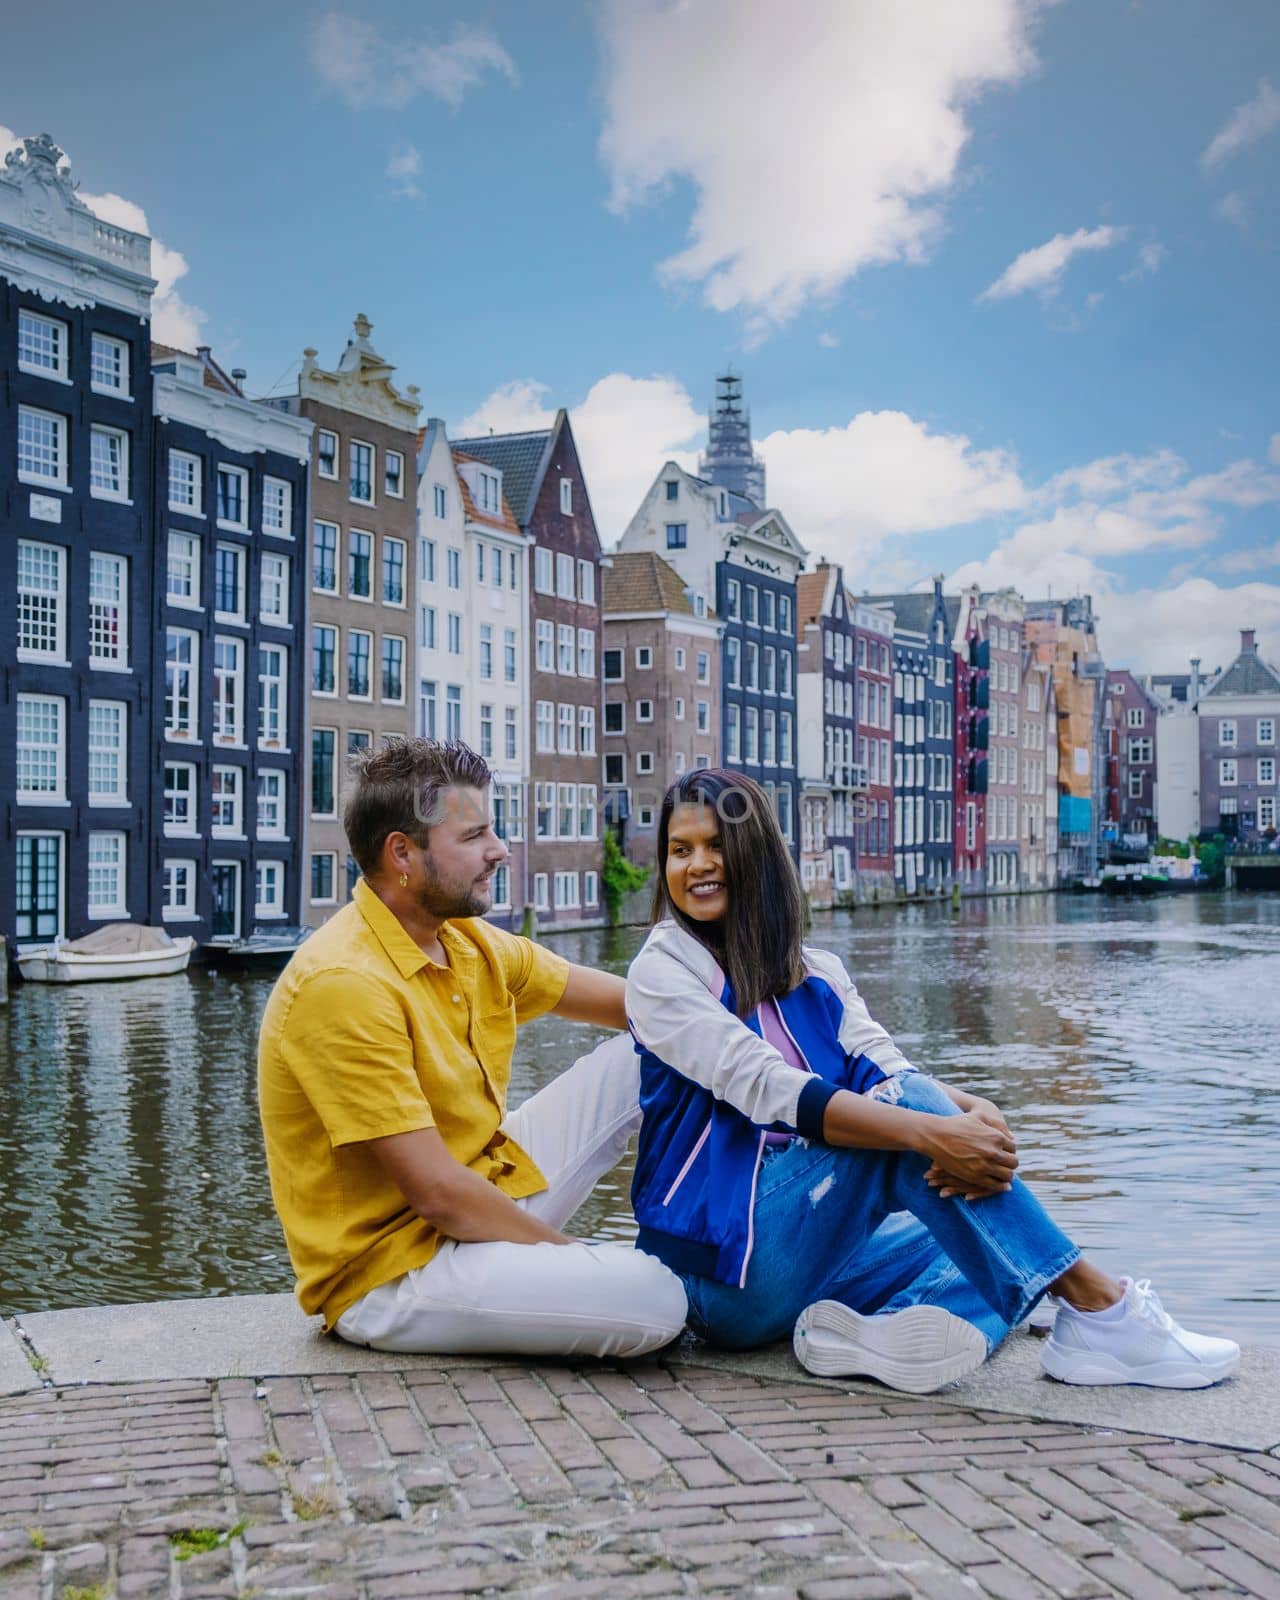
[(1133, 1045)]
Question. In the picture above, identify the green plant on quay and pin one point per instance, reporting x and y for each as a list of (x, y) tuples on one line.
[(619, 878)]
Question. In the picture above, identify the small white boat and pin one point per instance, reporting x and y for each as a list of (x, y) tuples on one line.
[(120, 950)]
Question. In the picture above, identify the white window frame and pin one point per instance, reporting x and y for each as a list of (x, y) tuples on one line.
[(1227, 731), (49, 605), (440, 499), (191, 828), (1228, 772), (644, 658), (1266, 769), (274, 576), (321, 435), (274, 870), (364, 596), (371, 666), (644, 763), (388, 540), (119, 795), (587, 582), (352, 446), (384, 698), (544, 645), (388, 456), (564, 575), (108, 910), (329, 899), (278, 491), (173, 909), (620, 706), (565, 650), (277, 778), (541, 901), (567, 891), (1266, 811), (566, 726), (120, 349), (566, 497), (191, 507), (43, 480), (273, 707), (586, 730), (644, 711), (234, 794), (61, 338), (1266, 730), (242, 526), (331, 628), (224, 702), (239, 553), (176, 559), (184, 729), (58, 793), (586, 652)]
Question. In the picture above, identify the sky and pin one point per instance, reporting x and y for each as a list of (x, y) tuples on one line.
[(999, 277)]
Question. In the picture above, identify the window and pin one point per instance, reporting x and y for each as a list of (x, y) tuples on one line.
[(566, 890), (770, 679), (1136, 717), (486, 651), (586, 730), (612, 660), (392, 669), (586, 811), (564, 575), (543, 570), (42, 447), (108, 761), (324, 875), (541, 900), (453, 566), (268, 893), (615, 768), (179, 891), (496, 570), (277, 507), (179, 797), (107, 875), (360, 565), (233, 497), (566, 811), (677, 535), (273, 676), (703, 708), (427, 707), (225, 815), (186, 485), (439, 500), (1266, 769), (566, 496), (673, 488), (749, 603), (1137, 783), (453, 711), (327, 453), (393, 571), (41, 753), (768, 744), (544, 648), (1266, 811), (427, 560), (508, 655), (564, 649), (644, 710), (490, 492), (324, 558), (753, 665), (1140, 751), (784, 672), (1266, 730), (704, 666), (228, 691), (544, 810), (590, 889), (564, 730), (544, 726), (393, 474), (361, 472), (587, 582), (679, 708), (323, 787), (359, 657), (615, 717), (732, 734), (785, 745), (644, 657), (1227, 772), (1227, 731), (479, 562), (228, 583), (181, 677), (453, 625), (324, 653), (732, 598), (183, 570), (486, 732), (751, 735), (513, 570), (42, 345), (273, 591), (511, 744), (41, 602), (644, 763), (766, 608), (732, 663)]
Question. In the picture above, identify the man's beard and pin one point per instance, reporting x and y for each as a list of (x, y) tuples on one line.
[(442, 900)]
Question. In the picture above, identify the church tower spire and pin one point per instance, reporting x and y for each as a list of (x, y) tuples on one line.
[(730, 460)]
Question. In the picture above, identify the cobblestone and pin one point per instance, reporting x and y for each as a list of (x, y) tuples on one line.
[(564, 1482)]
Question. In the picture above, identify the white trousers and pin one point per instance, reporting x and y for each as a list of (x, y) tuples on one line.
[(580, 1299)]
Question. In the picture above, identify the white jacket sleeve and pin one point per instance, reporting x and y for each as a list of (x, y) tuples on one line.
[(860, 1033), (673, 1012)]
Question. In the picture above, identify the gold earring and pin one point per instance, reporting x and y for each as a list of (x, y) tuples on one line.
[(404, 880)]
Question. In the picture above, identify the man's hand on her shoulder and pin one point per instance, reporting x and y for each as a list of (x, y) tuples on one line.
[(593, 996)]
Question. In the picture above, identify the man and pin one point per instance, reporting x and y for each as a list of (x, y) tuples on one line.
[(418, 1214)]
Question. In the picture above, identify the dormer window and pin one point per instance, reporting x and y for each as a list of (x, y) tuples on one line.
[(490, 492), (673, 488)]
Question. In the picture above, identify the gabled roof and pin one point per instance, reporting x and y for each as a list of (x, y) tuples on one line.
[(912, 611), (811, 598), (492, 519), (214, 376), (522, 460), (640, 580), (1247, 674)]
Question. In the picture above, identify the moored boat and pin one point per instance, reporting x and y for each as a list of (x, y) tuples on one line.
[(120, 950), (266, 949)]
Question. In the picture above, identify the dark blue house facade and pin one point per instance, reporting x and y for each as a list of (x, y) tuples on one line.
[(76, 638), (228, 687)]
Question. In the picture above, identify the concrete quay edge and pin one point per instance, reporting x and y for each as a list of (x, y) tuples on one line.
[(267, 1336)]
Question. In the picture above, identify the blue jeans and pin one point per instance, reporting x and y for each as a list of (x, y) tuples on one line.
[(863, 1227)]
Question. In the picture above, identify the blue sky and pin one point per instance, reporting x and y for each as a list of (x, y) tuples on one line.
[(999, 276)]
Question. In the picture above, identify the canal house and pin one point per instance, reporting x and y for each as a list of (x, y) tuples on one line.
[(227, 708), (76, 616), (832, 782)]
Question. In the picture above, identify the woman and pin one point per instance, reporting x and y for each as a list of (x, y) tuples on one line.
[(799, 1174)]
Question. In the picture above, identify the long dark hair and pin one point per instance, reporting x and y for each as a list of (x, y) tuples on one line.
[(758, 942)]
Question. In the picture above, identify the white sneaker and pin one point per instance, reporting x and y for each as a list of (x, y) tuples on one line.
[(916, 1350), (1145, 1345)]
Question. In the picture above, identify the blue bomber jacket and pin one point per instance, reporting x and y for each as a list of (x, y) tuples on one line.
[(712, 1087)]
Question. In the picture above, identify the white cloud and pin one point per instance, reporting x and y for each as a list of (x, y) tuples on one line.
[(173, 320), (404, 167), (1234, 208), (828, 341), (1256, 559), (1273, 450), (353, 58), (1158, 630), (1110, 476), (816, 142), (1041, 269), (625, 428), (1151, 258), (1245, 126)]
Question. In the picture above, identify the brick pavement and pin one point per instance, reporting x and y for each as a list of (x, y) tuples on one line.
[(564, 1481)]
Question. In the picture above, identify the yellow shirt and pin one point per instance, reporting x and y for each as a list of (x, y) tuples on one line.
[(366, 1036)]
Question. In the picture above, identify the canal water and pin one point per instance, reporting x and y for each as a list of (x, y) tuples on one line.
[(1134, 1046)]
